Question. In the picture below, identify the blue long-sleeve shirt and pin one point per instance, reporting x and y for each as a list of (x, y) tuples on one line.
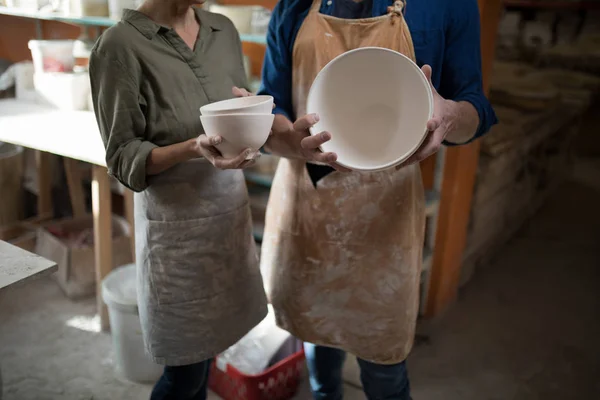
[(446, 35)]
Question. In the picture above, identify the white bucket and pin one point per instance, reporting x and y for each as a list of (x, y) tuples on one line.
[(131, 360)]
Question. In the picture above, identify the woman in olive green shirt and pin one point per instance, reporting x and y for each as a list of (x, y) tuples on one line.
[(199, 285)]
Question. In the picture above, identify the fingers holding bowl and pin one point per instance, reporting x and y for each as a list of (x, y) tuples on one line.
[(306, 122), (313, 142), (240, 92), (238, 162)]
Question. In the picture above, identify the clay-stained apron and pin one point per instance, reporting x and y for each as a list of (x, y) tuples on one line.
[(343, 259), (199, 284)]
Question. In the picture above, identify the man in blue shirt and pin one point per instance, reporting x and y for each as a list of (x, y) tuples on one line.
[(446, 39)]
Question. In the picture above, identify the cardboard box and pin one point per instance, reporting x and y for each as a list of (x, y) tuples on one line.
[(76, 263), (23, 234), (19, 235)]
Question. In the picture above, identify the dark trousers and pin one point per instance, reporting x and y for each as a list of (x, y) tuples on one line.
[(380, 382), (187, 382)]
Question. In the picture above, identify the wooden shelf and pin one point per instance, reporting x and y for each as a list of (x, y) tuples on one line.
[(432, 202), (552, 5), (91, 21), (50, 16), (258, 231), (258, 178), (258, 39), (427, 261)]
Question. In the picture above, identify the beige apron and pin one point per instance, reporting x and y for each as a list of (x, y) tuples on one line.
[(344, 257), (199, 285)]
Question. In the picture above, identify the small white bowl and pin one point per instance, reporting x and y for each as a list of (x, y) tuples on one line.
[(239, 131), (376, 121), (240, 105)]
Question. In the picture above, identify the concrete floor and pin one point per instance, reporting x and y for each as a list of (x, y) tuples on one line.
[(526, 327)]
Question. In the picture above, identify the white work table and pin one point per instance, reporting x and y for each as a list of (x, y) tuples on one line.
[(18, 266), (74, 135)]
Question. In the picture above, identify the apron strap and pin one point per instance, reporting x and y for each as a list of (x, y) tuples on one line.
[(316, 6), (398, 8)]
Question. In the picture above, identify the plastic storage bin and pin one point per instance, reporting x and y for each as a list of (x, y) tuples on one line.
[(52, 55), (119, 291), (279, 382)]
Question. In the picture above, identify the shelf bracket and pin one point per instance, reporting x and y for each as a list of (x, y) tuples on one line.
[(39, 34)]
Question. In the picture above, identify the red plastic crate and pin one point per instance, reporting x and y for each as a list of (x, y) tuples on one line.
[(280, 382)]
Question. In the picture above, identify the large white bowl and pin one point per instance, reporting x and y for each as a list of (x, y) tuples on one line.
[(239, 131), (375, 103), (240, 105)]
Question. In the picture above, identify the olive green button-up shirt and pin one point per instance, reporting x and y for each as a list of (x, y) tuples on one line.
[(148, 86)]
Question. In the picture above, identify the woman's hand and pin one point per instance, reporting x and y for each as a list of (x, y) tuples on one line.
[(205, 147)]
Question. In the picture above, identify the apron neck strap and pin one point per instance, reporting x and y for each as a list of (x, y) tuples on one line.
[(316, 5), (398, 8)]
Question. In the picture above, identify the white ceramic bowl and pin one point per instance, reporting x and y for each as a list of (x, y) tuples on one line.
[(239, 131), (375, 103), (240, 105)]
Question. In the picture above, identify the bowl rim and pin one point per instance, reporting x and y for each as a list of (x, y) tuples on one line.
[(238, 115), (413, 150), (207, 107)]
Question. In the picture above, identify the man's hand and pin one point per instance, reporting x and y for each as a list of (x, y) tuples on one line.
[(455, 121), (241, 92), (293, 140)]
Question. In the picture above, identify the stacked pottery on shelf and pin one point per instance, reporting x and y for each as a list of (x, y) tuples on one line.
[(87, 8), (116, 7), (247, 19)]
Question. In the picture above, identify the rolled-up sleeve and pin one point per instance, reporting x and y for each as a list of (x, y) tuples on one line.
[(277, 66), (461, 78), (118, 107)]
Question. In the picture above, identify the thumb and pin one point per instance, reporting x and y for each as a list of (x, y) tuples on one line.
[(428, 72), (433, 124), (306, 122), (237, 92)]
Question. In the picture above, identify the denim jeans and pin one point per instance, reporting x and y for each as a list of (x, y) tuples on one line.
[(380, 382), (187, 382)]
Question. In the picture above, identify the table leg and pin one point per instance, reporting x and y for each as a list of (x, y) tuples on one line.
[(44, 172), (1, 384), (555, 25), (75, 188), (128, 195), (582, 17), (102, 211)]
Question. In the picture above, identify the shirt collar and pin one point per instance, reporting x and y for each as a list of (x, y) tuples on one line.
[(149, 28)]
